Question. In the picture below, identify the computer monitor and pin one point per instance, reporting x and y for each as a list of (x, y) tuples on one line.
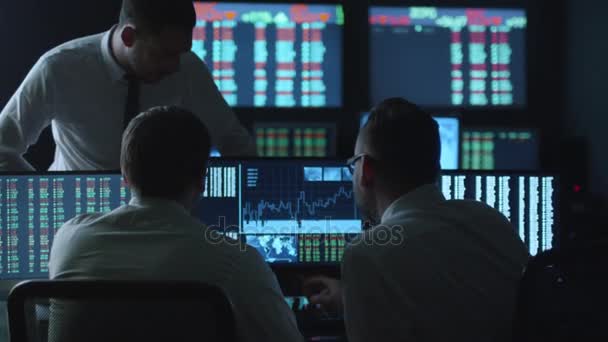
[(33, 207), (298, 211), (529, 200), (443, 56), (272, 54), (500, 148), (293, 211), (282, 139), (282, 207), (449, 133)]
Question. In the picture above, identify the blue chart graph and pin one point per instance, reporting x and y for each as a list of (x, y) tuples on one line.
[(290, 201)]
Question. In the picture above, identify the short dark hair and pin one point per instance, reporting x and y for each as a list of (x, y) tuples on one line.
[(405, 139), (152, 16), (164, 151)]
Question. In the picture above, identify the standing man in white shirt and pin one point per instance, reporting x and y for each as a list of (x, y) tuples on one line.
[(429, 269), (88, 90), (155, 237)]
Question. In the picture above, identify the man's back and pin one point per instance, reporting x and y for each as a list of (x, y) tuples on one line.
[(449, 271), (158, 240)]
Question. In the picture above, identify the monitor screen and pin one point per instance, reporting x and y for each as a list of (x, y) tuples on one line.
[(530, 201), (449, 133), (272, 55), (298, 211), (440, 56), (500, 149), (293, 211), (295, 139)]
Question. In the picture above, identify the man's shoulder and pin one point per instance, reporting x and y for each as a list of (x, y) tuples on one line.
[(240, 251), (191, 60), (81, 220), (195, 69), (475, 210), (240, 261), (76, 227), (418, 224), (73, 51), (379, 238)]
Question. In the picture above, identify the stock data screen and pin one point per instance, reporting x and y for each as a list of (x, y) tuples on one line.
[(300, 211), (500, 149), (295, 140), (529, 201), (33, 208), (293, 211), (272, 55), (449, 133), (436, 56)]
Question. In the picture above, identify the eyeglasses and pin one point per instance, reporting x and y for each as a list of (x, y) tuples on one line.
[(353, 161)]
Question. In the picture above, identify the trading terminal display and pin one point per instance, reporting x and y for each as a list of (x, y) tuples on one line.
[(296, 211), (33, 208), (456, 56), (301, 211), (529, 201), (272, 55), (500, 149), (449, 134), (306, 217), (295, 140)]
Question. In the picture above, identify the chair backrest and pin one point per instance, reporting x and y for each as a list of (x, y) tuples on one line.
[(99, 310), (563, 295)]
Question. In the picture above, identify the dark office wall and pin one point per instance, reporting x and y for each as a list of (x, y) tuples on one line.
[(28, 28), (586, 87)]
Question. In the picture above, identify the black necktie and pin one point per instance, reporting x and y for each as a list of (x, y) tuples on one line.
[(132, 106)]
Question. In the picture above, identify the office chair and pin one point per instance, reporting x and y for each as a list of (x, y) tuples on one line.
[(563, 295), (96, 310)]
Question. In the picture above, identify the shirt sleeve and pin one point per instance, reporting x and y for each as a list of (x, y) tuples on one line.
[(205, 100), (260, 308), (24, 117), (368, 308)]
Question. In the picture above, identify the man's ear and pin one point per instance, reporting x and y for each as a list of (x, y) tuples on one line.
[(128, 35), (124, 177), (367, 172)]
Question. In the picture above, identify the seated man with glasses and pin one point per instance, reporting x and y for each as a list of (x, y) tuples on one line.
[(430, 269)]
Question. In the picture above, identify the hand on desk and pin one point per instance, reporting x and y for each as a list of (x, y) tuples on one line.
[(325, 292)]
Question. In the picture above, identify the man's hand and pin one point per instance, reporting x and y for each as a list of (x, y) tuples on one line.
[(324, 291)]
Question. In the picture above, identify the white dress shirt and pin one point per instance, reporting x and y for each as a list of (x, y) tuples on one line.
[(79, 89), (152, 239), (433, 270)]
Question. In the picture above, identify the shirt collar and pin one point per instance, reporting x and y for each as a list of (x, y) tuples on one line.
[(159, 204), (420, 197), (117, 73)]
